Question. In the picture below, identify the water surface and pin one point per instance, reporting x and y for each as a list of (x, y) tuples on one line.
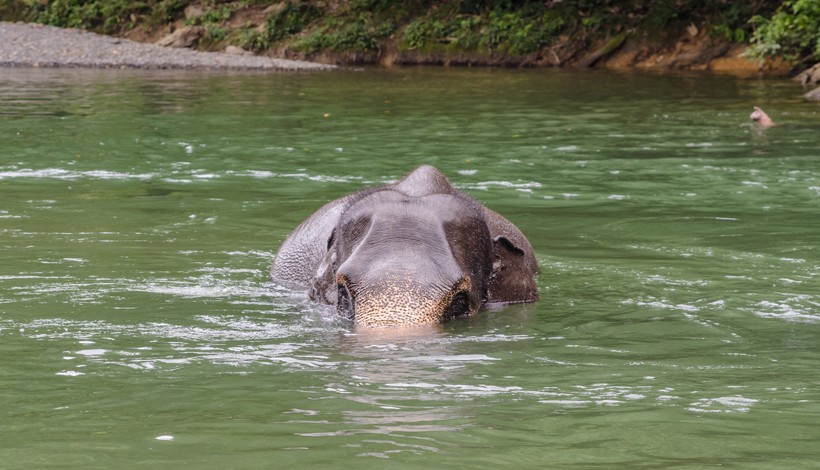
[(139, 212)]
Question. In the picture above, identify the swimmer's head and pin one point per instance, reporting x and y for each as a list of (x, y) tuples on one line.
[(760, 118)]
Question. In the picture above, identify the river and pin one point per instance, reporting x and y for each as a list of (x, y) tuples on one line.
[(679, 318)]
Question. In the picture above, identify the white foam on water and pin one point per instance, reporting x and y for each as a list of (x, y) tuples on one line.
[(260, 174), (30, 276), (92, 352), (69, 373), (732, 404), (784, 310), (662, 305), (62, 174), (486, 185), (319, 178), (181, 173), (198, 288), (450, 358)]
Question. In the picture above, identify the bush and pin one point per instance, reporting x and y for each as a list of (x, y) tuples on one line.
[(251, 40), (106, 16), (18, 10), (792, 32), (356, 32), (517, 32), (290, 20), (213, 17)]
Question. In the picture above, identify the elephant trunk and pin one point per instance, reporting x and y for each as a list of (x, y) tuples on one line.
[(399, 301)]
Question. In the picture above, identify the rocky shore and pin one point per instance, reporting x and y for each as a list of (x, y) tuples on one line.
[(34, 45)]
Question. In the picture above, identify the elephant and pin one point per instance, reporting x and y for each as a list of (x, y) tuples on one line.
[(417, 251)]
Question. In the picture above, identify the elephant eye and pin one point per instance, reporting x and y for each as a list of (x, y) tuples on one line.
[(344, 302), (459, 306)]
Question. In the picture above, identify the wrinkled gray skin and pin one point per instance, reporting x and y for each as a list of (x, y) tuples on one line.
[(414, 252)]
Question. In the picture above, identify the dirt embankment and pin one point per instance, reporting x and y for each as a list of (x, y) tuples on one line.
[(170, 47), (693, 49), (698, 53), (196, 29)]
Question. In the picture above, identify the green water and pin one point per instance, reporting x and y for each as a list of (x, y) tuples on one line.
[(679, 320)]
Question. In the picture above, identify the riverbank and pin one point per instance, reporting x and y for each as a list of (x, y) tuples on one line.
[(308, 35), (698, 35), (37, 45), (34, 45)]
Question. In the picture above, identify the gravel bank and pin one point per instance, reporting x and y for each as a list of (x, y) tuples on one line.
[(34, 45)]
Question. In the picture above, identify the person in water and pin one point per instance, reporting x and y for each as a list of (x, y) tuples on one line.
[(761, 119)]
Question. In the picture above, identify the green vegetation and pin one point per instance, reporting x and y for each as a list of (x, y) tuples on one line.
[(520, 32), (17, 10), (291, 19), (212, 16), (793, 32), (106, 16), (516, 29), (354, 35)]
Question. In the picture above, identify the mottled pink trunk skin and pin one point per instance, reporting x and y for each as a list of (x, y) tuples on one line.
[(761, 118)]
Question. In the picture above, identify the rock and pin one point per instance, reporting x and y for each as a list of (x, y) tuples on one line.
[(183, 37), (810, 76), (734, 61), (237, 51), (611, 46), (813, 95), (692, 29), (193, 11), (274, 9), (698, 54)]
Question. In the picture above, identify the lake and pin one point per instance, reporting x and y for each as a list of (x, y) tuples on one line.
[(679, 318)]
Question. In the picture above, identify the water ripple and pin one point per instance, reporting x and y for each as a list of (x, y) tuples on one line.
[(180, 174), (798, 308)]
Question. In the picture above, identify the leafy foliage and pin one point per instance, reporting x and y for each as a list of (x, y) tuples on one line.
[(290, 20), (251, 39), (360, 35), (213, 16), (18, 10), (107, 16), (793, 32), (514, 33)]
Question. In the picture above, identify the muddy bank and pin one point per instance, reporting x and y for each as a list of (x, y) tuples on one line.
[(699, 53)]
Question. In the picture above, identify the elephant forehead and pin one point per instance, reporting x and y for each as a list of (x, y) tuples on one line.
[(394, 233), (391, 205), (415, 227)]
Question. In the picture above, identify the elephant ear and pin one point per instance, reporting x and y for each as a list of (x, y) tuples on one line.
[(514, 264), (302, 253), (322, 285)]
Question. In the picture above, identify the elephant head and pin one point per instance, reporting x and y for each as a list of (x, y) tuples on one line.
[(414, 252)]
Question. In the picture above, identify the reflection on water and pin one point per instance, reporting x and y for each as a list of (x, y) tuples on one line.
[(139, 213)]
